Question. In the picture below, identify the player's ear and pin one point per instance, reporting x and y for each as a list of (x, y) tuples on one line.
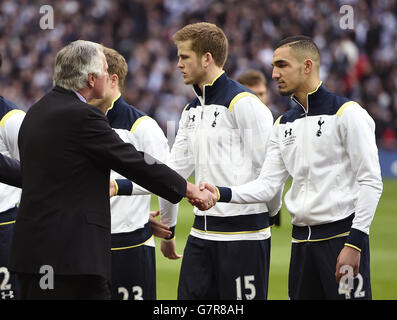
[(308, 66), (114, 80), (206, 59)]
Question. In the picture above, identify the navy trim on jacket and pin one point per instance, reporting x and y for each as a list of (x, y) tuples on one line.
[(221, 92), (123, 115), (320, 102)]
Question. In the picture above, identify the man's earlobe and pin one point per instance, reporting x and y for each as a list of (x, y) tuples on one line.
[(91, 81), (308, 66), (115, 79), (207, 57)]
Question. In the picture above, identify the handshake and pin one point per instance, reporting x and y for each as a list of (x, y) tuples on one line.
[(203, 196)]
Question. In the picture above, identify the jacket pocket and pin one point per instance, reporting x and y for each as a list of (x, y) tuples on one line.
[(98, 218)]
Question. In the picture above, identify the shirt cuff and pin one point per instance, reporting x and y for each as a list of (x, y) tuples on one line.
[(124, 187), (356, 239), (172, 236), (224, 194)]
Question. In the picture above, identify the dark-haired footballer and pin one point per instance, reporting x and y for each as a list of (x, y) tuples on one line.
[(326, 143)]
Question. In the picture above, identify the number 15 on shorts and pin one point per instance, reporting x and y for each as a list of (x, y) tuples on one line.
[(245, 285)]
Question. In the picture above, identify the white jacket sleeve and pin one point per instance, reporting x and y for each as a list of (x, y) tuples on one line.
[(181, 158), (155, 144), (358, 131), (9, 129), (256, 121), (271, 180)]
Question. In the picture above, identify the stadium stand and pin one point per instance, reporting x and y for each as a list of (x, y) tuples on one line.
[(358, 62)]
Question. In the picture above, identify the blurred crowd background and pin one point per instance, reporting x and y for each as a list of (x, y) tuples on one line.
[(359, 63)]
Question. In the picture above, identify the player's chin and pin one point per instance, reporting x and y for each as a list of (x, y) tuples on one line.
[(187, 81), (285, 92)]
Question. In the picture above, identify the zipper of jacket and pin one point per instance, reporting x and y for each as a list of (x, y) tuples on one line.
[(307, 163), (305, 152), (203, 103)]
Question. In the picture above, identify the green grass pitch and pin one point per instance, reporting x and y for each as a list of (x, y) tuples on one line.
[(383, 247)]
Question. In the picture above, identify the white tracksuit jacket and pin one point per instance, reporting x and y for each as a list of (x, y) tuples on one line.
[(135, 127), (331, 154), (10, 121), (222, 137)]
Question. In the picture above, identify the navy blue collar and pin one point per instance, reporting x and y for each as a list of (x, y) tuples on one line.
[(212, 88), (314, 98)]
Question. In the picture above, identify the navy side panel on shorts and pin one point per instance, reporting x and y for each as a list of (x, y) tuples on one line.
[(312, 271), (134, 274), (226, 270), (9, 280)]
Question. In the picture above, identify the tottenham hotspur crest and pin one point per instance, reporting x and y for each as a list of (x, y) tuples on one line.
[(216, 114), (320, 123)]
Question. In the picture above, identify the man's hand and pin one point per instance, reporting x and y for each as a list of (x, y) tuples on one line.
[(159, 229), (205, 185), (350, 257), (212, 189), (202, 199), (168, 248), (112, 188)]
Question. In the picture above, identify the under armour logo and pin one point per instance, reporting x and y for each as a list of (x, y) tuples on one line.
[(9, 295), (192, 118), (320, 123), (216, 113), (288, 132)]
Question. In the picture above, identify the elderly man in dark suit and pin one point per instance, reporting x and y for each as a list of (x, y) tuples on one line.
[(67, 149)]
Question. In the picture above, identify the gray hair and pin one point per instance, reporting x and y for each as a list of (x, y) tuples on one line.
[(75, 61)]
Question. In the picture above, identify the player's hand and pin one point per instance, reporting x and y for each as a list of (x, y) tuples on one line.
[(159, 229), (112, 188), (212, 189), (202, 199), (205, 185), (168, 248), (350, 257)]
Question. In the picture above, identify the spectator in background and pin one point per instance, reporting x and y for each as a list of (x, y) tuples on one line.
[(255, 81), (141, 31)]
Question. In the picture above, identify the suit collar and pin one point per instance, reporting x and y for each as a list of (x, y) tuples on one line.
[(65, 91), (80, 96)]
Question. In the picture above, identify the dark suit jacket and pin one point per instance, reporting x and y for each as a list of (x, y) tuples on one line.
[(10, 171), (67, 149)]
